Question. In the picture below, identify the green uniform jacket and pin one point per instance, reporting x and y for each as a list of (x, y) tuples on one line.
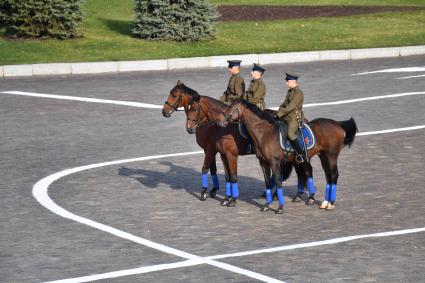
[(256, 92), (235, 89), (287, 110)]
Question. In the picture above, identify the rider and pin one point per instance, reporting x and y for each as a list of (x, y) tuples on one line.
[(257, 89), (288, 111), (236, 86)]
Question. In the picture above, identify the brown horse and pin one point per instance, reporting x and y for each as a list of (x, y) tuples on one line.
[(331, 137), (213, 139)]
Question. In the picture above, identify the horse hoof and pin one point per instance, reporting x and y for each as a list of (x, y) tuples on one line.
[(225, 202), (310, 201), (265, 208), (297, 198), (324, 205), (213, 192), (203, 196), (330, 207), (279, 210), (232, 203)]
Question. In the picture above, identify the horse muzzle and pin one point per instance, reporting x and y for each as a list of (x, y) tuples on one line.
[(166, 114), (191, 130)]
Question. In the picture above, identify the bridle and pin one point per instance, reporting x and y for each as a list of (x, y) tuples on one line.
[(176, 105), (228, 117), (198, 112)]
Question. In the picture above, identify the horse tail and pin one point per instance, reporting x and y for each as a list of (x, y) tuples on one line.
[(350, 128), (286, 170)]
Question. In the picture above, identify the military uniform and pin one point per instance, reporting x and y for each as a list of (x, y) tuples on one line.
[(235, 87), (287, 110), (256, 90)]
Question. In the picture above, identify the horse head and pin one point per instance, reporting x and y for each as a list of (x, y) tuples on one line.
[(180, 96), (231, 114), (193, 116)]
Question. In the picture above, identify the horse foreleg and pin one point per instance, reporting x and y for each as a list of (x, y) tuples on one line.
[(269, 185), (233, 170), (308, 169), (275, 166), (213, 171), (208, 160), (228, 196), (301, 183)]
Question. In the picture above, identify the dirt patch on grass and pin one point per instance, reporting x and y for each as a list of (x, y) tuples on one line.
[(264, 12)]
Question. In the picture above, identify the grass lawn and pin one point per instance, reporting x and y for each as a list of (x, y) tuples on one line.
[(107, 35)]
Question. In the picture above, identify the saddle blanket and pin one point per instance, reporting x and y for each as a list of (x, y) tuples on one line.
[(309, 138)]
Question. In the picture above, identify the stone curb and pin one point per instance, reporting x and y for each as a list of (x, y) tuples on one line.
[(205, 62)]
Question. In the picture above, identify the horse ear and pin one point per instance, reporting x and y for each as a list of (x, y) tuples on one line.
[(179, 82)]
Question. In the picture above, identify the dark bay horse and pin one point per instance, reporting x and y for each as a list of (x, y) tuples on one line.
[(214, 139), (331, 137)]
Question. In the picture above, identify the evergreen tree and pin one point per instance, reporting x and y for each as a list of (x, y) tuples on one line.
[(180, 20), (41, 18)]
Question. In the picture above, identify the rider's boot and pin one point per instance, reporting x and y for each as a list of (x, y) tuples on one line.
[(300, 155)]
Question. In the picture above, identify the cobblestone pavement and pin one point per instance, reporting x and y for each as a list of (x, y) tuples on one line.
[(380, 186)]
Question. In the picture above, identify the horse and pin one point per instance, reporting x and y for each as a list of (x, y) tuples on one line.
[(214, 139), (331, 137)]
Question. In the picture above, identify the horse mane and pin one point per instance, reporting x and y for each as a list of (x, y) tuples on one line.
[(191, 92), (257, 111)]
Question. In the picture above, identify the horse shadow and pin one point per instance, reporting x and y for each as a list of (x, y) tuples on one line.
[(182, 178)]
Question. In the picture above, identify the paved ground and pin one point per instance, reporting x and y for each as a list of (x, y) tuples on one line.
[(380, 187)]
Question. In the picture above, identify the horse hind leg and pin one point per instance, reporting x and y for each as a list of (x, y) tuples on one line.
[(329, 164)]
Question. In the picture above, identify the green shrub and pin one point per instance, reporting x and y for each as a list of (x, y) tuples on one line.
[(180, 20), (41, 18)]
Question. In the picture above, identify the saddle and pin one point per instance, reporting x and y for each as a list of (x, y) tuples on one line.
[(285, 144), (244, 133)]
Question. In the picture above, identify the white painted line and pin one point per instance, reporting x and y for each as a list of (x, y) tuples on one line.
[(40, 193), (320, 243), (127, 272), (395, 70), (402, 78), (359, 99), (391, 131), (84, 99), (40, 190), (145, 105)]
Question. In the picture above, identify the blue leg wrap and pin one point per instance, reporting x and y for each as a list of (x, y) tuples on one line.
[(204, 181), (310, 185), (328, 192), (228, 189), (215, 181), (235, 190), (280, 197), (300, 187), (269, 198), (333, 193)]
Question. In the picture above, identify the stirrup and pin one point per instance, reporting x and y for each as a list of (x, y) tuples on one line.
[(299, 159)]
